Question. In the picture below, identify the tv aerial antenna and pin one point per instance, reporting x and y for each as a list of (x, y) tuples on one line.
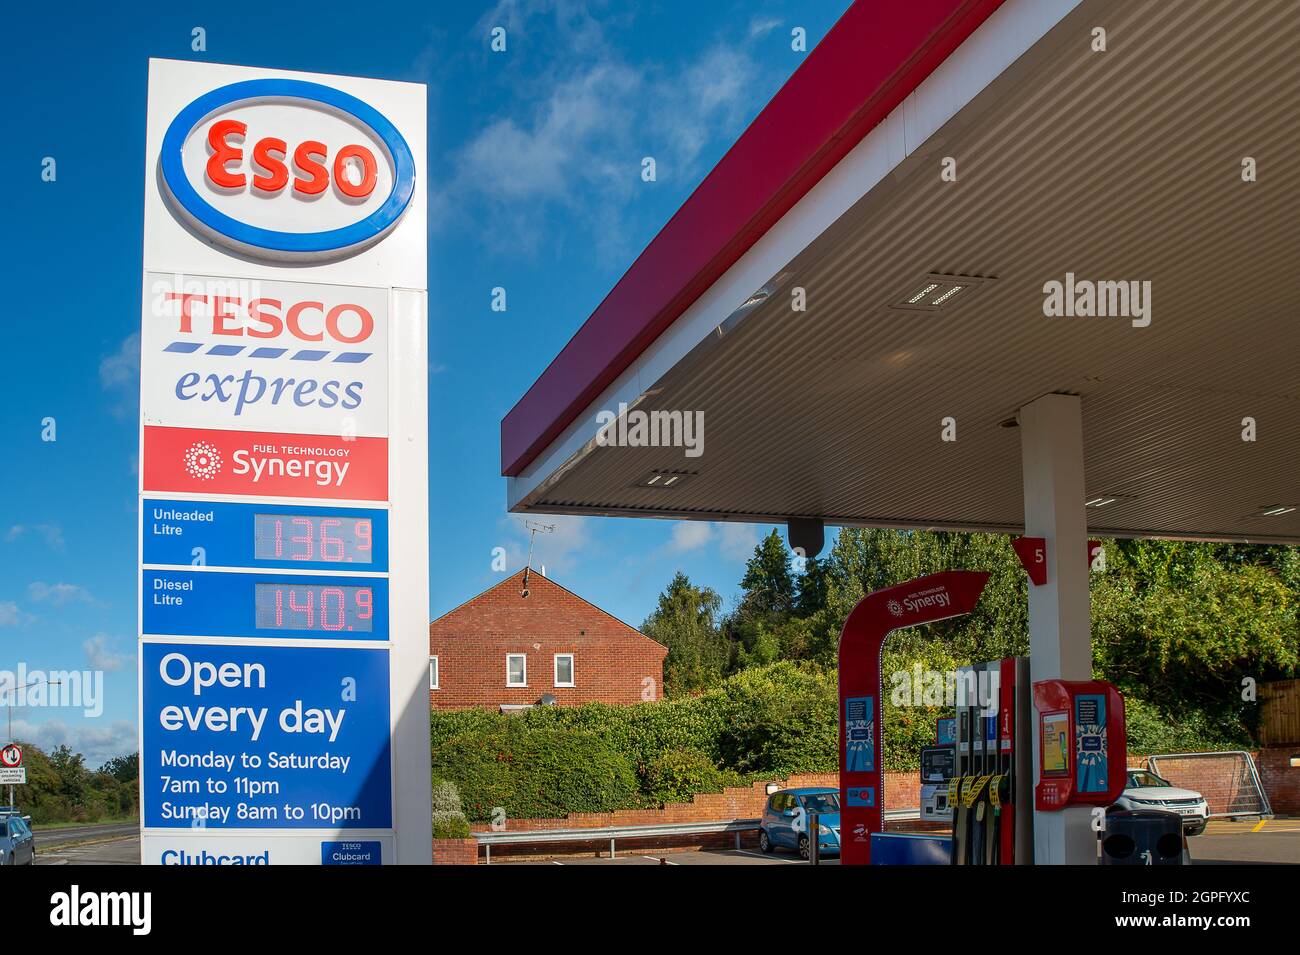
[(533, 528)]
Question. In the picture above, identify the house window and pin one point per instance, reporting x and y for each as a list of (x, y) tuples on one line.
[(516, 669), (433, 673), (564, 669)]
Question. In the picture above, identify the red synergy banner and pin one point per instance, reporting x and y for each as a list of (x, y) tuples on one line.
[(254, 462), (924, 600)]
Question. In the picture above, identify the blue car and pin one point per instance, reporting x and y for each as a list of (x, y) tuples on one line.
[(785, 821), (17, 844)]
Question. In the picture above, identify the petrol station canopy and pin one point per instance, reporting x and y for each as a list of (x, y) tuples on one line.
[(1117, 166)]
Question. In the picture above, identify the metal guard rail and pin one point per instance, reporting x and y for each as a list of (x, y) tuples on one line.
[(1266, 808), (613, 833)]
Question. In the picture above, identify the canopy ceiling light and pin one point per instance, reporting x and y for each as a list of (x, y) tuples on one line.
[(1276, 510), (665, 479), (939, 291)]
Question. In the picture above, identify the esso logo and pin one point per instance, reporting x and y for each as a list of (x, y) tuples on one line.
[(286, 170)]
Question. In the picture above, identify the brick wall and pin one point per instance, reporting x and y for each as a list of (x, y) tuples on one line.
[(902, 791), (612, 662), (1281, 782), (455, 852), (1223, 780)]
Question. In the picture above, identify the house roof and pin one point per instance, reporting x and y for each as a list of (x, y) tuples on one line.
[(455, 620)]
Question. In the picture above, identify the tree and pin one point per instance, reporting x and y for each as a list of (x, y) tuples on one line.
[(864, 560), (73, 775), (686, 622), (768, 585), (812, 589), (123, 768), (1181, 624)]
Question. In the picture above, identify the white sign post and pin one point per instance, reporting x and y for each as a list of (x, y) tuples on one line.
[(283, 461)]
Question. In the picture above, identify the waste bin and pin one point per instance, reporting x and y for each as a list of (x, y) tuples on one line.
[(1143, 837)]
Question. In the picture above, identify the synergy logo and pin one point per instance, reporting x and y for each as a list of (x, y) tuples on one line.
[(253, 462), (286, 170), (935, 597), (202, 461)]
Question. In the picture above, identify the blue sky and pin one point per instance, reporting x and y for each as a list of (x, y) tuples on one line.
[(534, 186)]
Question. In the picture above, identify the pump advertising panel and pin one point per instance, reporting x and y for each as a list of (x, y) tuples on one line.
[(1082, 744), (283, 566)]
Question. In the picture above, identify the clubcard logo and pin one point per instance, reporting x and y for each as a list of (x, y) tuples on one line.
[(252, 462), (286, 170), (202, 461)]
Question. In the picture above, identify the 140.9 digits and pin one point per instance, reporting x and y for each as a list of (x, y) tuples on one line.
[(327, 607)]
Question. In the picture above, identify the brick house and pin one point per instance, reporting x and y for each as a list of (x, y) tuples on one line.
[(507, 651)]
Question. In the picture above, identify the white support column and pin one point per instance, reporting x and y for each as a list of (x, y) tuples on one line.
[(1060, 636)]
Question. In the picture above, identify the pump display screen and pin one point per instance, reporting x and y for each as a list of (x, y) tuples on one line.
[(937, 764), (1054, 728), (313, 537), (314, 607)]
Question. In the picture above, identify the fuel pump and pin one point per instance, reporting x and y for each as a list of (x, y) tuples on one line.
[(936, 771), (990, 790)]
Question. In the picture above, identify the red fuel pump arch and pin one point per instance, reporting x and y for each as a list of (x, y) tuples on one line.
[(951, 593)]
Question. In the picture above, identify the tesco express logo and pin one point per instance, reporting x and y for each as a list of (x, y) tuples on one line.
[(287, 170)]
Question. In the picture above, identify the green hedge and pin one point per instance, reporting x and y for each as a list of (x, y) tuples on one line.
[(531, 771), (679, 774), (762, 723), (550, 761)]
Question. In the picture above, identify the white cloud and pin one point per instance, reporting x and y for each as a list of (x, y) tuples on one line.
[(122, 367), (100, 656), (559, 551), (98, 744), (578, 129), (762, 26), (738, 540), (58, 594), (690, 535), (10, 615), (52, 533), (119, 373)]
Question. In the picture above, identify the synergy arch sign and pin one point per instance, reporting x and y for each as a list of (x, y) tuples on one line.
[(283, 470), (951, 593)]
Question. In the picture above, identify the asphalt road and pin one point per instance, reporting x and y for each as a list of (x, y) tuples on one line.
[(1250, 842), (62, 835), (114, 851), (1224, 843)]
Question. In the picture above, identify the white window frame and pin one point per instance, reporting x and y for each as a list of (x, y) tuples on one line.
[(573, 676), (435, 673), (522, 656)]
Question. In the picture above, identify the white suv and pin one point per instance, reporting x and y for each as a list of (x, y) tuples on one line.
[(1146, 790)]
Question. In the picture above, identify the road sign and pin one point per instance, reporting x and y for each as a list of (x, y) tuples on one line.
[(283, 478), (11, 755), (13, 775)]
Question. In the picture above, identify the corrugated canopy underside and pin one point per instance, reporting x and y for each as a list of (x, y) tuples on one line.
[(1117, 166)]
